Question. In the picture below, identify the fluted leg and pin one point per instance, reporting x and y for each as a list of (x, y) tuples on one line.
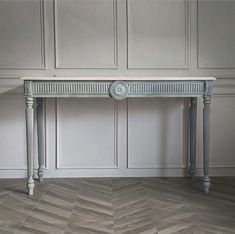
[(193, 126), (206, 142), (41, 138), (29, 135)]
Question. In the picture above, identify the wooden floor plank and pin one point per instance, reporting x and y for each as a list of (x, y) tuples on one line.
[(118, 205)]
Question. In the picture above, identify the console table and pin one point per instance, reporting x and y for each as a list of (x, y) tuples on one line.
[(118, 88)]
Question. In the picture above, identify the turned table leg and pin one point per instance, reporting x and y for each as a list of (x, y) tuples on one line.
[(29, 136), (193, 126), (206, 141), (41, 143)]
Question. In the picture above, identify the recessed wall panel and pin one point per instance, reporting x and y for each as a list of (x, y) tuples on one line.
[(22, 34), (156, 133), (216, 34), (85, 33), (157, 34), (12, 133), (86, 133)]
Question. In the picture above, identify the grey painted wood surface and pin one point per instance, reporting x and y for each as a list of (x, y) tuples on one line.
[(206, 141), (193, 135), (36, 47), (118, 90), (30, 137), (41, 138)]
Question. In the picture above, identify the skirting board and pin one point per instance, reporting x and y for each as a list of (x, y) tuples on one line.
[(167, 172)]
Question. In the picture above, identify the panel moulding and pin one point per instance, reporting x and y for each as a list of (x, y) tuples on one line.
[(43, 47), (186, 37), (201, 67), (182, 164), (59, 65), (115, 140)]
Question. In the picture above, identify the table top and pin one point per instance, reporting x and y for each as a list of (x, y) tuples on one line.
[(96, 78)]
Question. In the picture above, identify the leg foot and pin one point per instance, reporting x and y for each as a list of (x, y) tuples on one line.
[(192, 171), (206, 184), (30, 185), (40, 174)]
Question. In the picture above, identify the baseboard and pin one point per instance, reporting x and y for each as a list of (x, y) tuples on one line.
[(167, 172)]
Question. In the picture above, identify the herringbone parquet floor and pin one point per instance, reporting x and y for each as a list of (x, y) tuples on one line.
[(118, 205)]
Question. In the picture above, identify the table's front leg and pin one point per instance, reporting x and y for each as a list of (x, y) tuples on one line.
[(193, 127), (206, 141), (41, 138), (29, 137)]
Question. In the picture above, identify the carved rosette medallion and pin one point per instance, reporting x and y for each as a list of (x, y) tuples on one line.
[(119, 90)]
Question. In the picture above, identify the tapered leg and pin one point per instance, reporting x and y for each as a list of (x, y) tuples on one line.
[(41, 138), (206, 142), (29, 135), (193, 126)]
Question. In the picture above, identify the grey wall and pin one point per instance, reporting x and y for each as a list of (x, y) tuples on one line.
[(102, 137)]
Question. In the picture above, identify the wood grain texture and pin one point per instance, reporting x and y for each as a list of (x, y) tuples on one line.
[(118, 205)]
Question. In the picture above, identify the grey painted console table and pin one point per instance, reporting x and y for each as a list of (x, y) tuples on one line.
[(118, 88)]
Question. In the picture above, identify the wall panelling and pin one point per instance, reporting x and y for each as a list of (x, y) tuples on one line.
[(157, 34), (86, 33), (22, 38), (101, 137)]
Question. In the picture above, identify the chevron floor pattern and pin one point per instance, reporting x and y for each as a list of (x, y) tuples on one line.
[(118, 205)]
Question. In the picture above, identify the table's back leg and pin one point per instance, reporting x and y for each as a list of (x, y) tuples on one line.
[(192, 140), (206, 141), (29, 135), (41, 139)]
